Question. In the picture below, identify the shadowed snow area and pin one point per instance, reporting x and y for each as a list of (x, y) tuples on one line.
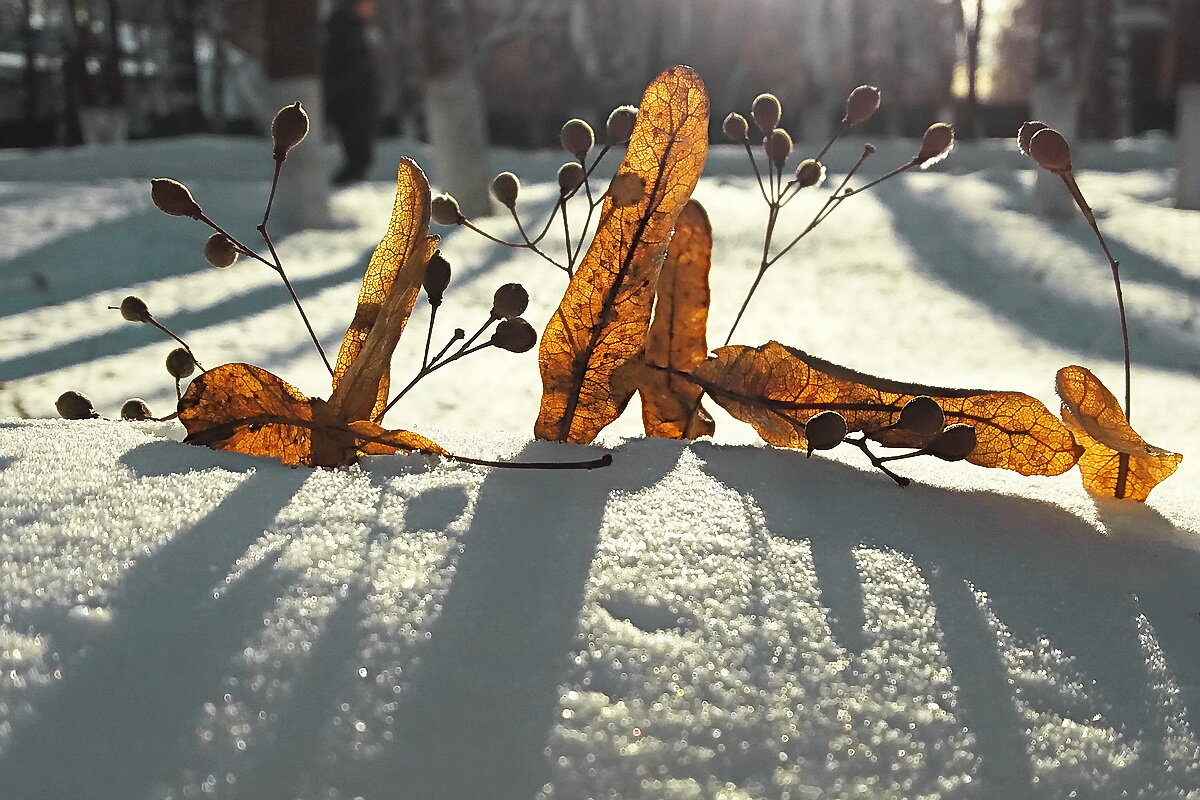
[(717, 619)]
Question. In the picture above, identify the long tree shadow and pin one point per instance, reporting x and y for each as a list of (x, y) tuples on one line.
[(474, 721), (959, 255), (119, 720), (1046, 574)]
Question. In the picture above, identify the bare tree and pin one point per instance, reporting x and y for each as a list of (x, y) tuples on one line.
[(1186, 50), (1056, 92)]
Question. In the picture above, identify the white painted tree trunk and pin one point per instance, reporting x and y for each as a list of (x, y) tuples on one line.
[(454, 112), (1187, 147), (1055, 103), (303, 197)]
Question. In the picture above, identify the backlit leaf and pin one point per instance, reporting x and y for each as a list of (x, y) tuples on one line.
[(373, 440), (777, 389), (1116, 462), (600, 326), (389, 290), (670, 403)]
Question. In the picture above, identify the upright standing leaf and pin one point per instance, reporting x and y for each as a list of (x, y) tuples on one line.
[(777, 389), (1116, 461), (600, 326), (677, 339), (389, 291)]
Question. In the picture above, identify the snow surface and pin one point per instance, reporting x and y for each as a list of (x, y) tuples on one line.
[(708, 620)]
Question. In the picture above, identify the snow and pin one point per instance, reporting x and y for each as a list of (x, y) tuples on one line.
[(709, 620)]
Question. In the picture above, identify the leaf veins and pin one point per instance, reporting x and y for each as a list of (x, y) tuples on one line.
[(676, 340), (1116, 461), (599, 328), (777, 389)]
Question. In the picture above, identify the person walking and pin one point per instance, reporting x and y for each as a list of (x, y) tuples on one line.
[(351, 86)]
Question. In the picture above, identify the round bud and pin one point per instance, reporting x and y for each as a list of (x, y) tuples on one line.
[(515, 335), (922, 416), (505, 188), (136, 410), (220, 251), (861, 104), (620, 123), (510, 301), (180, 363), (577, 138), (172, 197), (736, 128), (1026, 133), (73, 405), (627, 189), (134, 309), (766, 112), (1050, 150), (825, 431), (955, 443), (810, 173), (437, 278), (570, 177), (445, 211), (935, 144), (288, 129), (778, 145)]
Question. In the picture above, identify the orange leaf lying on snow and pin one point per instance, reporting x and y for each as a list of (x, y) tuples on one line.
[(777, 389), (670, 403), (1116, 461), (245, 409), (389, 290), (599, 329)]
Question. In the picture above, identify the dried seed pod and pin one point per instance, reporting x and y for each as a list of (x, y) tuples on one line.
[(1027, 132), (1050, 150), (515, 335), (510, 301), (288, 129), (861, 104), (172, 197), (778, 146), (570, 177), (437, 278), (444, 210), (766, 112), (180, 363), (955, 443), (736, 128), (825, 431), (620, 124), (136, 410), (505, 188), (220, 251), (936, 144), (577, 138), (627, 189), (922, 416), (134, 309), (73, 405), (810, 173)]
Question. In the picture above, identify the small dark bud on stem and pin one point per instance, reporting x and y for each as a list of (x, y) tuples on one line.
[(172, 197), (1027, 132), (861, 104), (570, 177), (577, 138), (766, 112), (180, 363), (135, 410), (73, 405), (935, 144), (736, 128), (825, 431), (437, 278), (922, 416), (778, 145), (220, 251), (1050, 150), (445, 211), (515, 335), (955, 443), (810, 173), (134, 309), (510, 301), (620, 124), (288, 129), (505, 188)]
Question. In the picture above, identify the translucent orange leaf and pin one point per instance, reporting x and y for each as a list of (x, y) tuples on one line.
[(1116, 462), (677, 338), (389, 291), (777, 389), (373, 440), (600, 326)]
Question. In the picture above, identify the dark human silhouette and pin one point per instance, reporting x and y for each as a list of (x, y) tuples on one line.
[(351, 86)]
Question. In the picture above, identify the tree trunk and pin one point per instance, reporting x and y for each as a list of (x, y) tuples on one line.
[(186, 114), (455, 113), (32, 84), (1187, 109), (293, 74), (1055, 98), (970, 122)]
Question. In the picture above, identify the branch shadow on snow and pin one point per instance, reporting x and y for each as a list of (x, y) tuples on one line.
[(1045, 573), (120, 718)]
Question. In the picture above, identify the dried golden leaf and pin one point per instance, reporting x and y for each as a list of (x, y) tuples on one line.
[(1116, 461), (600, 326), (374, 440), (671, 406), (777, 389), (389, 291)]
